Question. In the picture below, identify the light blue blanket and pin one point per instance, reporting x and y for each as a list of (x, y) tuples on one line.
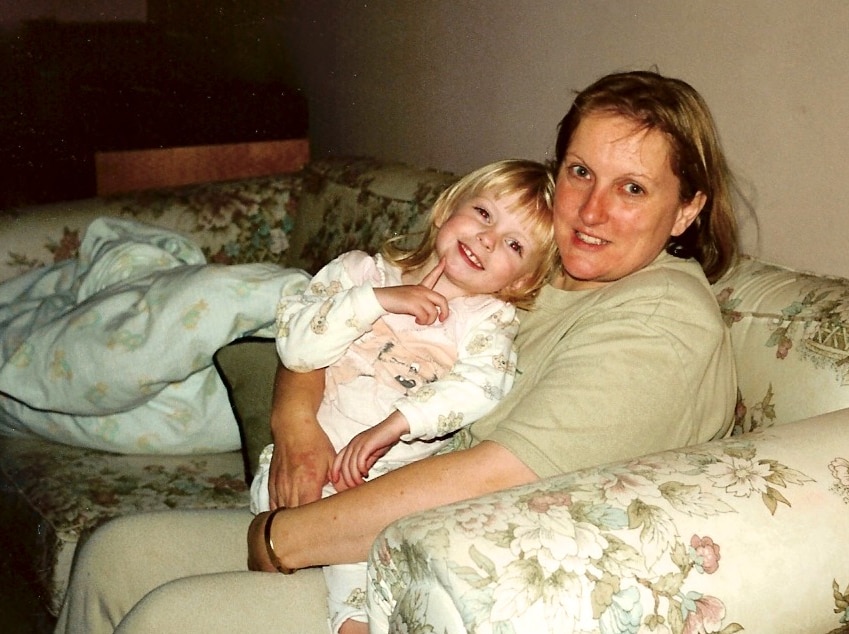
[(113, 350)]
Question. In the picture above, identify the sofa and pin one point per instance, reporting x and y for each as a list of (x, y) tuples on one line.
[(743, 533)]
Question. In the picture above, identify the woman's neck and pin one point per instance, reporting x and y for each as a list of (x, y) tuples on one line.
[(565, 282)]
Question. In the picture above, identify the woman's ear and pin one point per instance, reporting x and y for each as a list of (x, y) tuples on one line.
[(687, 213)]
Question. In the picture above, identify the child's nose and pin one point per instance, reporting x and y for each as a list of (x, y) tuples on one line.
[(486, 239)]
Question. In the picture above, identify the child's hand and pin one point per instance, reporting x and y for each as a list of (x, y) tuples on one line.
[(354, 462), (418, 300)]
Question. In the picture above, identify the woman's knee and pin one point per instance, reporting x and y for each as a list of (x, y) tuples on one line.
[(161, 610), (129, 556), (101, 588), (108, 550), (231, 602)]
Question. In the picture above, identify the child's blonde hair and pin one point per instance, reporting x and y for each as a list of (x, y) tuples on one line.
[(535, 183)]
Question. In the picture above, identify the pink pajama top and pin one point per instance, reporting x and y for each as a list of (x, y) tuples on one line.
[(441, 377)]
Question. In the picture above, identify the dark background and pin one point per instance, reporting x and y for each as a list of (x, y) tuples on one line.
[(191, 73)]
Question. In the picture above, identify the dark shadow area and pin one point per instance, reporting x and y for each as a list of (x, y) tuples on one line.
[(71, 89)]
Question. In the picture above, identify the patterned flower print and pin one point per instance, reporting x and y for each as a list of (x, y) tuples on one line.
[(595, 551), (739, 476), (704, 554)]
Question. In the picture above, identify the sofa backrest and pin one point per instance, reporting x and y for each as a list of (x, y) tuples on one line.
[(247, 220), (302, 219), (788, 329), (790, 333), (359, 203)]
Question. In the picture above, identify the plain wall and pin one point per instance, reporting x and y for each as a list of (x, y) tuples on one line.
[(454, 84)]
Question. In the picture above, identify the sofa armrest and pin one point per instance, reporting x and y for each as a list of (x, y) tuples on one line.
[(747, 532)]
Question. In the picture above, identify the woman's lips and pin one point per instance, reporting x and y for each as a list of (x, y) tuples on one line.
[(585, 238)]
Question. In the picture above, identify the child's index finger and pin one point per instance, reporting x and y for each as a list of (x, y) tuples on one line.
[(433, 276)]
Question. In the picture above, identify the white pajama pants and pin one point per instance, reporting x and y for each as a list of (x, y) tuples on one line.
[(346, 583)]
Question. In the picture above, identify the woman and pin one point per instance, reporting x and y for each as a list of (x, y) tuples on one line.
[(626, 354)]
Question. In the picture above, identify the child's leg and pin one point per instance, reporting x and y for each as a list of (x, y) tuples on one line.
[(346, 598), (353, 627)]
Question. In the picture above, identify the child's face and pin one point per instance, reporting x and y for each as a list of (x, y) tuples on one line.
[(486, 247)]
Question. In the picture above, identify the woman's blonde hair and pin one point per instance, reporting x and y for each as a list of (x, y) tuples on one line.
[(676, 109), (533, 181)]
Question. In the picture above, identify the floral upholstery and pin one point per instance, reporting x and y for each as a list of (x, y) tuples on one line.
[(742, 533), (233, 222), (797, 326), (51, 496), (339, 205), (745, 534), (357, 204)]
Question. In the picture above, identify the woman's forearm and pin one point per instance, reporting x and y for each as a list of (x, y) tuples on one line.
[(303, 393), (303, 454), (341, 528)]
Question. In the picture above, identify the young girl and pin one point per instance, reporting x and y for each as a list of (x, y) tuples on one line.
[(417, 343)]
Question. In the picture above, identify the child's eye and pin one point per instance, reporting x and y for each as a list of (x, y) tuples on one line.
[(483, 213), (516, 246)]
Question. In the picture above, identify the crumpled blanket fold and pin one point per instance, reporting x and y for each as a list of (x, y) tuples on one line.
[(113, 350)]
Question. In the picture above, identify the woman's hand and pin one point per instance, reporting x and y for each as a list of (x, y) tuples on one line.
[(418, 300), (309, 535), (353, 463), (303, 455)]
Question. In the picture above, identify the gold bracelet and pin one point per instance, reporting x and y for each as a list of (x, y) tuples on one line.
[(269, 547)]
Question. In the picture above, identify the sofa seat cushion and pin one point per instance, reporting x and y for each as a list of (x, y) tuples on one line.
[(790, 333), (52, 496)]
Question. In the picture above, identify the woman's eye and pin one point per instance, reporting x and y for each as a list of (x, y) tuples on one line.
[(483, 213), (580, 171), (634, 189)]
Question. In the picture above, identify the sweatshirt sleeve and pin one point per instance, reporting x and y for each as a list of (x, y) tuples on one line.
[(339, 305), (481, 376)]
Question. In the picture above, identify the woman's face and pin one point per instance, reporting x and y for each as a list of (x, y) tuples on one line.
[(616, 202)]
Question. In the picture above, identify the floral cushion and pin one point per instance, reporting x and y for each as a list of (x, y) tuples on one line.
[(790, 333), (234, 222), (351, 204), (54, 495)]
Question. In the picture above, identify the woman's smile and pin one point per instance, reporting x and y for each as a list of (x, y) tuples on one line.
[(587, 239)]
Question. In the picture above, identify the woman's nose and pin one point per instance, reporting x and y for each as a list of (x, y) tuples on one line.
[(593, 210)]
